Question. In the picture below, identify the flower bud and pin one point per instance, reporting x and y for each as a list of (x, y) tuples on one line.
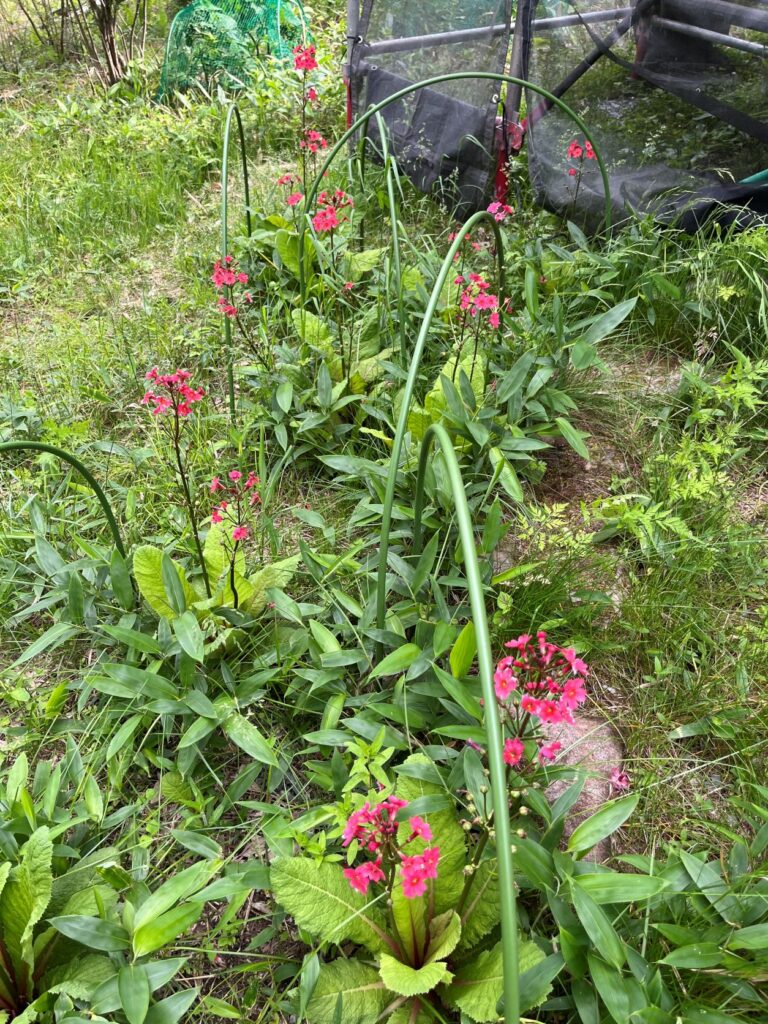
[(520, 833), (523, 809)]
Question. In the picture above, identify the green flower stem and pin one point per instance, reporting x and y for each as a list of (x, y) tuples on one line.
[(188, 500), (73, 460), (481, 844), (437, 432), (426, 84), (232, 112)]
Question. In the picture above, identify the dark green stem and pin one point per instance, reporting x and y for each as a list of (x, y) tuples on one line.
[(192, 514), (481, 844)]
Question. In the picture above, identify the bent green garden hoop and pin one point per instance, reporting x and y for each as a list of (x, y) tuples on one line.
[(455, 76), (391, 171), (436, 432), (39, 446), (410, 385), (232, 111)]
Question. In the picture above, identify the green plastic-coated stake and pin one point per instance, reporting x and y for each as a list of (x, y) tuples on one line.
[(393, 219), (39, 446), (436, 432), (410, 384), (427, 83), (232, 112)]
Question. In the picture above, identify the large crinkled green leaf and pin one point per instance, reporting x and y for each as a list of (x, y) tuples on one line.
[(482, 910), (4, 872), (312, 329), (419, 421), (447, 834), (320, 900), (351, 985), (412, 981), (366, 371), (25, 897), (478, 986), (217, 552), (410, 916), (81, 877), (412, 1013), (79, 978), (278, 574), (444, 935), (360, 263), (148, 572), (87, 903)]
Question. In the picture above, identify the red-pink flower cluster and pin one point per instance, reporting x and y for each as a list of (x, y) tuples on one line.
[(293, 198), (548, 682), (240, 494), (304, 58), (375, 829), (330, 206), (579, 152), (500, 211), (225, 275), (177, 396), (313, 141), (475, 297)]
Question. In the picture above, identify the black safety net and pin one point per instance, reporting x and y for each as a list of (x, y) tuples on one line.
[(675, 93), (443, 137)]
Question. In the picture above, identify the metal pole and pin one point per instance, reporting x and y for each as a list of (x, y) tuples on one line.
[(744, 17), (466, 35), (353, 38), (516, 62), (353, 27), (696, 32)]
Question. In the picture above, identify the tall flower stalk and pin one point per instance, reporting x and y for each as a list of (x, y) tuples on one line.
[(172, 404), (238, 497)]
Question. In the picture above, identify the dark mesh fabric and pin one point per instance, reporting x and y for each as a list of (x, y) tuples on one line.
[(443, 138), (676, 117)]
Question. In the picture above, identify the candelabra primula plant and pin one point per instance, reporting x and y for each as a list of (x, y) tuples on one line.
[(419, 897), (163, 583)]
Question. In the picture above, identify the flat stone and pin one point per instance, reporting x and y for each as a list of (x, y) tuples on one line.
[(591, 745)]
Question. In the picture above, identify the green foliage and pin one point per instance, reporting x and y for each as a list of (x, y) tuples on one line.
[(414, 947), (48, 921), (200, 729)]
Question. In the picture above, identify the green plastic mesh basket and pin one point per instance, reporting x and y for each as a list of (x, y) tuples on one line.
[(221, 41)]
